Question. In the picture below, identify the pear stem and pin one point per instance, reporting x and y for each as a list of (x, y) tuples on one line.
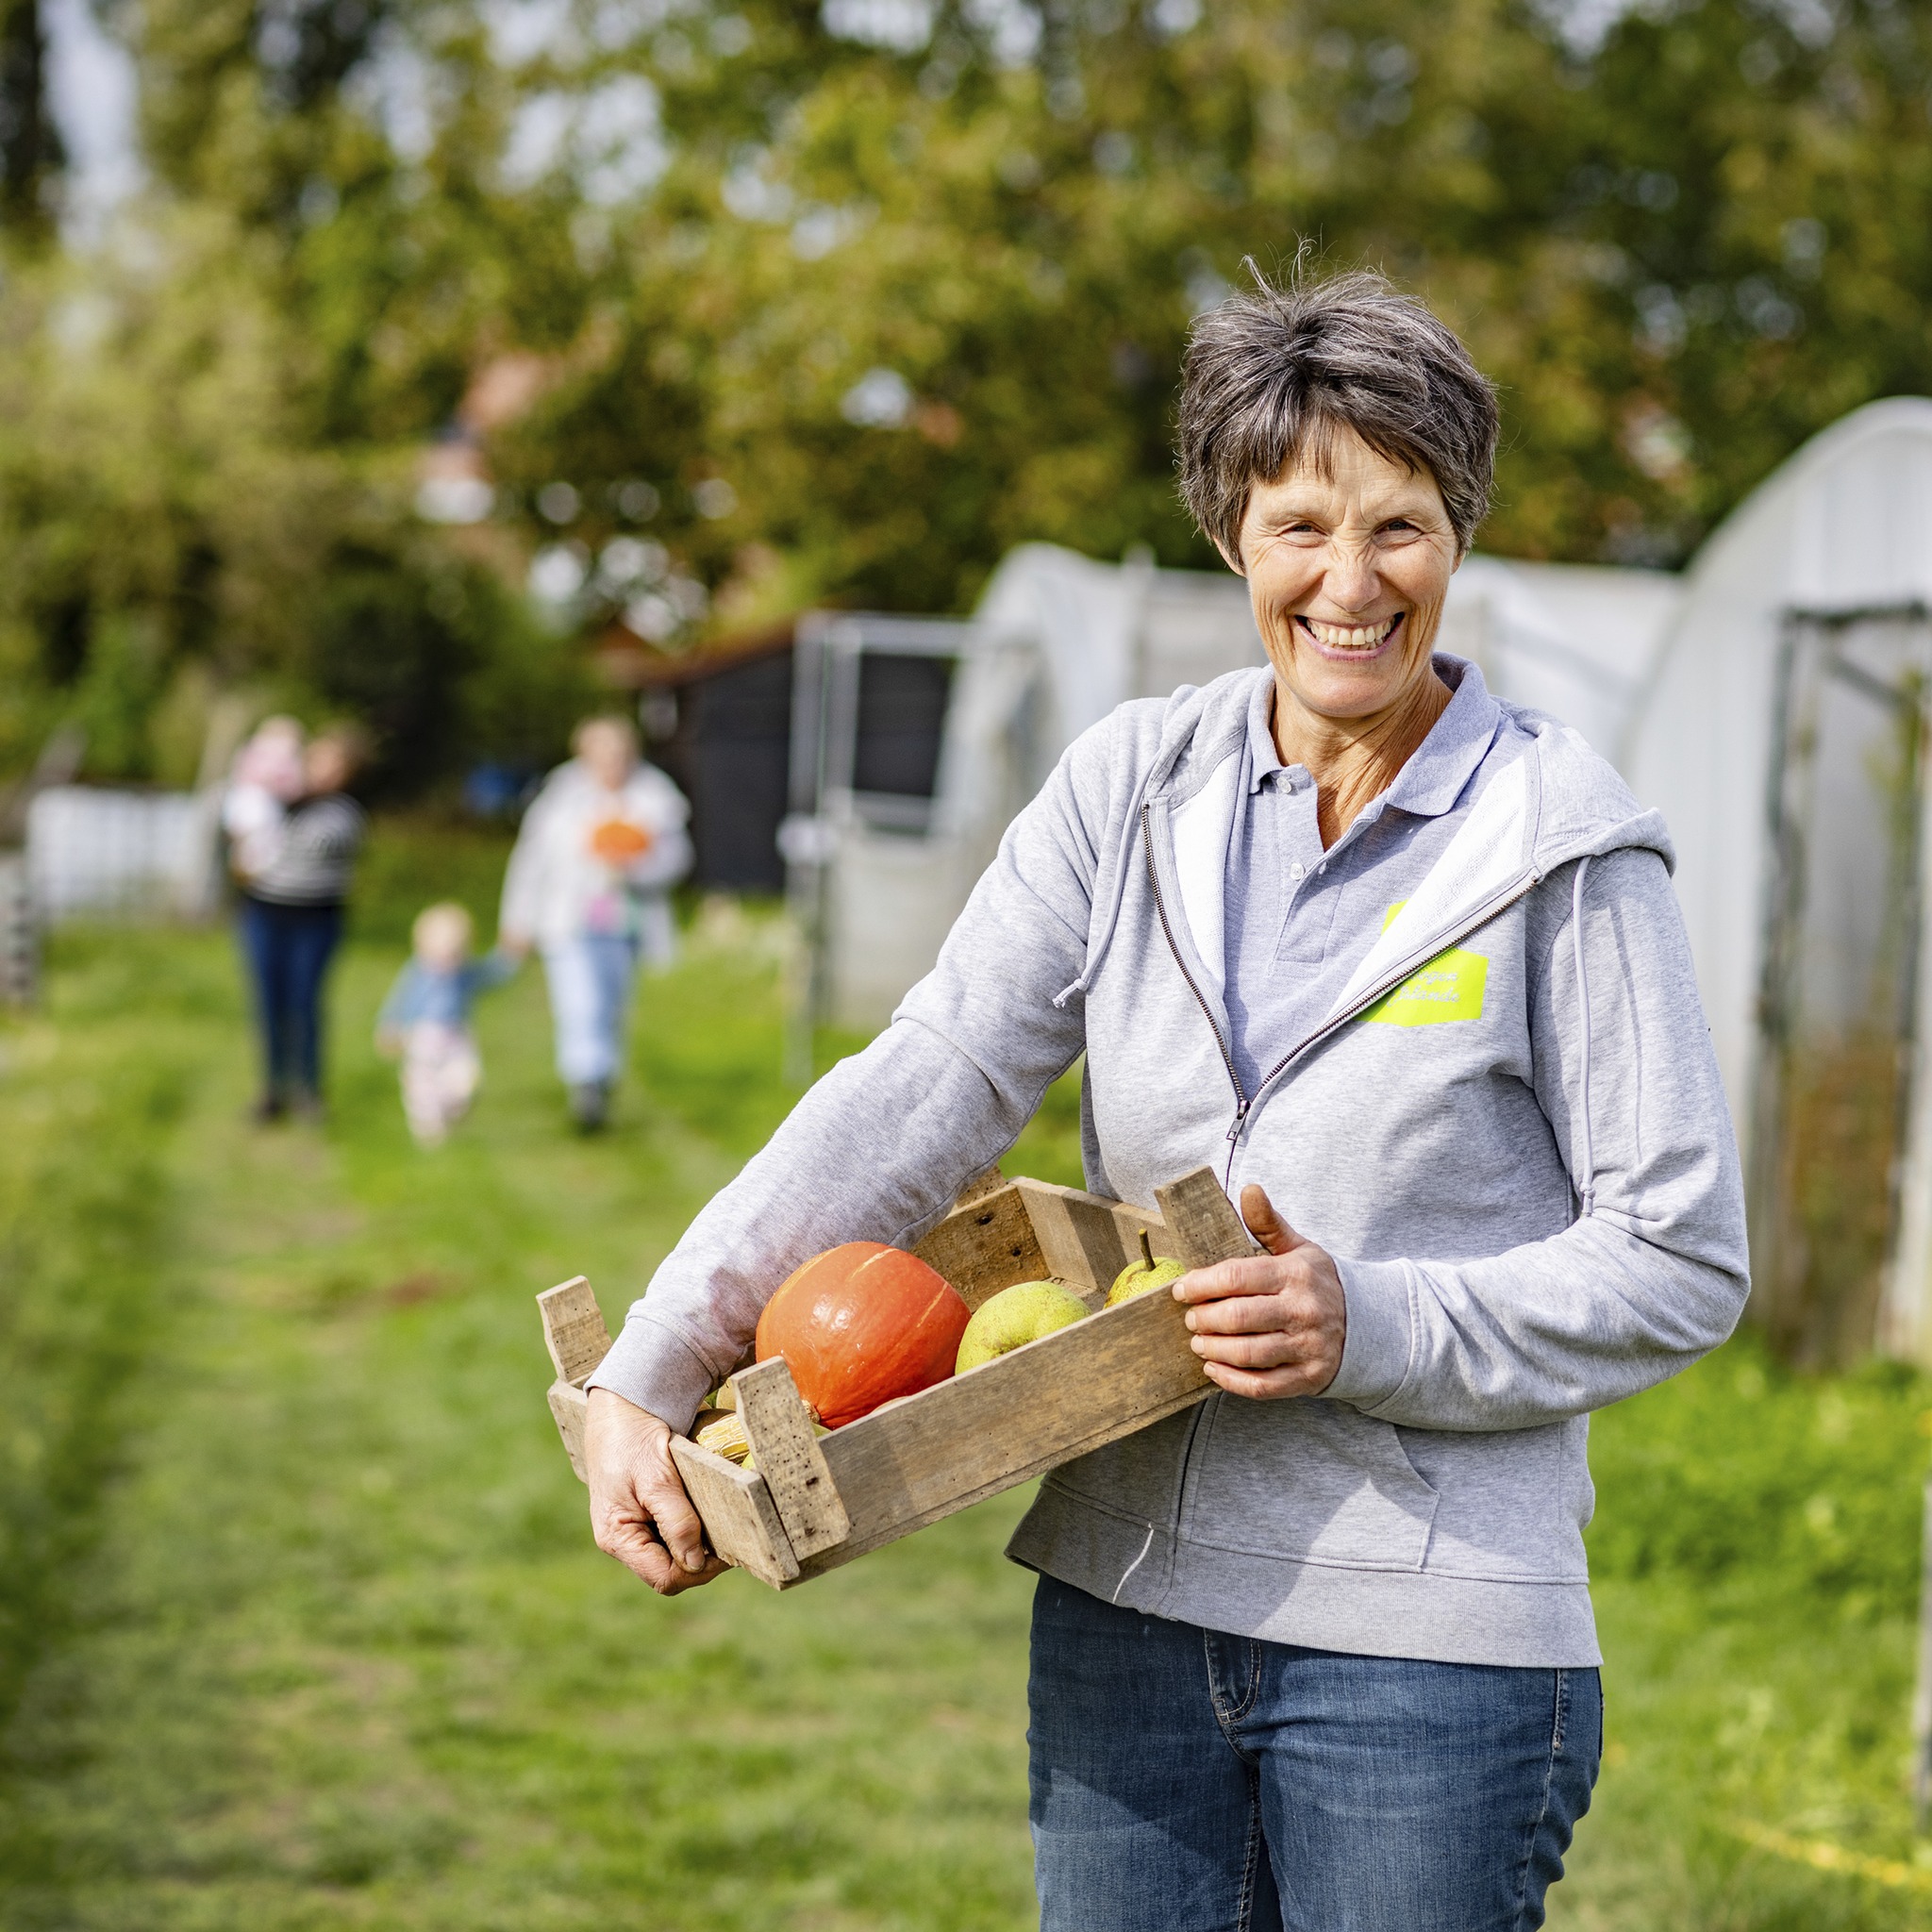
[(1147, 1252)]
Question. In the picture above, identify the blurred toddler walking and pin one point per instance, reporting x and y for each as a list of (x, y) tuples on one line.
[(426, 1021)]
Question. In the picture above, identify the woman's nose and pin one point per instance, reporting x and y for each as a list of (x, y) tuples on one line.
[(1352, 582)]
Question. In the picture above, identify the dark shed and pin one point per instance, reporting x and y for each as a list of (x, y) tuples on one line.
[(723, 720), (719, 721)]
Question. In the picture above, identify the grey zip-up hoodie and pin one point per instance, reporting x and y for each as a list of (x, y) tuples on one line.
[(1535, 1211)]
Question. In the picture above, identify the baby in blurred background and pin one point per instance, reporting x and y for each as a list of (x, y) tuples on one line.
[(268, 777), (426, 1021)]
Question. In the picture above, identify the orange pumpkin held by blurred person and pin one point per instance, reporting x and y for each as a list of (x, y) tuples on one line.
[(860, 1325), (617, 842)]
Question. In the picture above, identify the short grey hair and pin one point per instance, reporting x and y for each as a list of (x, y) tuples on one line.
[(1270, 376)]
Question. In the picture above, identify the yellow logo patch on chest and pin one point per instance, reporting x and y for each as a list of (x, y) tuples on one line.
[(1450, 987)]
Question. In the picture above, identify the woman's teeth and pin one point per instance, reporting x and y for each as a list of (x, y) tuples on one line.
[(1352, 636)]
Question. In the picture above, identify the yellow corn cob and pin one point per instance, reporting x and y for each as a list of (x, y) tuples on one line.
[(723, 1435)]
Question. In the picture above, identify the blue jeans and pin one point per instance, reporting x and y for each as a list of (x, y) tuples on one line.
[(288, 948), (591, 979), (1188, 1781)]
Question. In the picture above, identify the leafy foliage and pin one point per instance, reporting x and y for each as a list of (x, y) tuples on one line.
[(842, 300), (1745, 1467)]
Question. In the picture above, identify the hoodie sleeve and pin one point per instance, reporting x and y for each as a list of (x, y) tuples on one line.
[(1656, 1274), (520, 913), (878, 1148)]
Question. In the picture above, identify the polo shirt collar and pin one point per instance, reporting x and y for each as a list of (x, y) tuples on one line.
[(1439, 769)]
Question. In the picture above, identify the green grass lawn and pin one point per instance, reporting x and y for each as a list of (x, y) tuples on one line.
[(300, 1625)]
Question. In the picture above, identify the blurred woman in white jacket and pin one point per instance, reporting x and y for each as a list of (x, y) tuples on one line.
[(587, 885)]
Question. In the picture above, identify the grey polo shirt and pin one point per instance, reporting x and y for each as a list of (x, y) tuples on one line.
[(1300, 920)]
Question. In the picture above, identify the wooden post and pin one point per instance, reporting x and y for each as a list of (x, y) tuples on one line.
[(19, 939), (778, 1426), (1202, 1221), (1921, 1699)]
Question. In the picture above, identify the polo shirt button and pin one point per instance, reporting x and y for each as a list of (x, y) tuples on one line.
[(1295, 871)]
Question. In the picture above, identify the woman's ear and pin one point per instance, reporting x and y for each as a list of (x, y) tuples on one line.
[(1231, 558)]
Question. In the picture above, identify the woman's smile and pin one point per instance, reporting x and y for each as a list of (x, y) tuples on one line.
[(1354, 643)]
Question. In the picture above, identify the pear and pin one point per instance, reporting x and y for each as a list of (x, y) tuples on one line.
[(1016, 1315), (1137, 1277)]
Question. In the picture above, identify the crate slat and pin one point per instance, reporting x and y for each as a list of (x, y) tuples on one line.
[(568, 1404), (986, 1244), (740, 1519), (1087, 1240), (904, 1467)]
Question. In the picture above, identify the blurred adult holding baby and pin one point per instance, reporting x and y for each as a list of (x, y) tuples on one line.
[(295, 833), (588, 886)]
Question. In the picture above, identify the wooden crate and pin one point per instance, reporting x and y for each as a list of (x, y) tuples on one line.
[(815, 1502)]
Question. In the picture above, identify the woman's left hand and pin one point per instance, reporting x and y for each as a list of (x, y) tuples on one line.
[(1272, 1325)]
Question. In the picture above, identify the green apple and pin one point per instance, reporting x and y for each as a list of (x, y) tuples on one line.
[(1019, 1314), (1137, 1277)]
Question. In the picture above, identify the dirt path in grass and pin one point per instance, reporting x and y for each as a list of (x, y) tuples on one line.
[(342, 1656)]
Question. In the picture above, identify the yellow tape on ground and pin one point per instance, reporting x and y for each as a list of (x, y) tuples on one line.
[(1822, 1856)]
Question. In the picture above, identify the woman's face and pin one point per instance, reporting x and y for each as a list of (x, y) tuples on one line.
[(1348, 573)]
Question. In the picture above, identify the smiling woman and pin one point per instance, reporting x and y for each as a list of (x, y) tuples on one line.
[(1402, 961), (1337, 443)]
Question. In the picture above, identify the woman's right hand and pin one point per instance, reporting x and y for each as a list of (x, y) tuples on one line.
[(639, 1510)]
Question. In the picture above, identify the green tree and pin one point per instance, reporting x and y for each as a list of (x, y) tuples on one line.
[(30, 151), (805, 314)]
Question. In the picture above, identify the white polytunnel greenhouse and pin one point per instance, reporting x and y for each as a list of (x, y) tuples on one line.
[(1783, 736)]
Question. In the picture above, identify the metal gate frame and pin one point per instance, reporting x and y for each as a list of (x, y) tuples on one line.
[(827, 654), (1780, 929)]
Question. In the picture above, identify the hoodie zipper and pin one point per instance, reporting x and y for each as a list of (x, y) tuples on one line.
[(1234, 1080), (1452, 935)]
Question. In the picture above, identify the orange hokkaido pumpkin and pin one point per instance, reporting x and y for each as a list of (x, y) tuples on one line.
[(617, 842), (860, 1325)]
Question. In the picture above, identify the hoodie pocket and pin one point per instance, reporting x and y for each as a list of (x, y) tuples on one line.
[(1514, 1502), (1313, 1480)]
